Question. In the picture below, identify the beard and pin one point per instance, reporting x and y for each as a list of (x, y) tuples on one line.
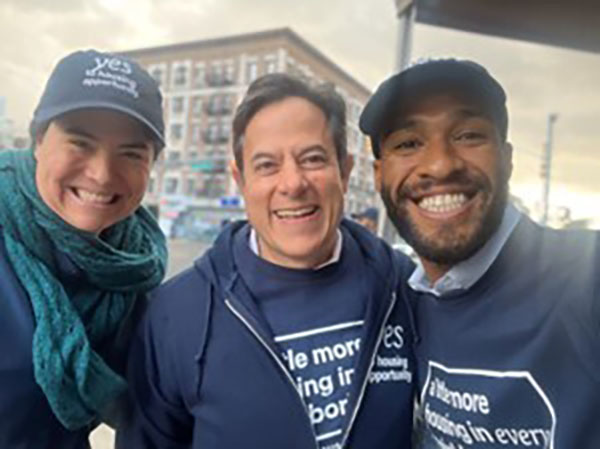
[(449, 245)]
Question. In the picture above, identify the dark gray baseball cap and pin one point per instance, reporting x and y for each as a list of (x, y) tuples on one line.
[(92, 79), (423, 78)]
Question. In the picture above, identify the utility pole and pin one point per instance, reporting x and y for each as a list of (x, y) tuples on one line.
[(406, 13), (547, 165)]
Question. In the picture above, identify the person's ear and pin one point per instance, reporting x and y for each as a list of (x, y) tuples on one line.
[(237, 174)]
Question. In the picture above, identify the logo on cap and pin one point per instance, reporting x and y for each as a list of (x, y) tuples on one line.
[(111, 72)]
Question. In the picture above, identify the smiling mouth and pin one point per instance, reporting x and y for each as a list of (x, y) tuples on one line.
[(445, 204), (94, 198), (294, 214)]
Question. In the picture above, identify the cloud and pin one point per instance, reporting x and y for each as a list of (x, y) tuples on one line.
[(42, 6)]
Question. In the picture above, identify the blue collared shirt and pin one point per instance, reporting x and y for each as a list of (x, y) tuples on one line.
[(464, 274)]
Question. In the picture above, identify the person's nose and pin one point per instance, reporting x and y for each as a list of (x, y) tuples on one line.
[(100, 168), (440, 159), (292, 180)]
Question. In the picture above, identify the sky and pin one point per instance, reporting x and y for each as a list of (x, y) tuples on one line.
[(358, 35)]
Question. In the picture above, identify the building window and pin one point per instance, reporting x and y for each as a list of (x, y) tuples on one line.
[(270, 64), (214, 186), (199, 76), (176, 132), (227, 103), (195, 133), (197, 106), (180, 77), (214, 105), (216, 152), (157, 73), (229, 73), (171, 186), (190, 186), (212, 132), (220, 104), (215, 77), (224, 131), (251, 71), (173, 156), (177, 105)]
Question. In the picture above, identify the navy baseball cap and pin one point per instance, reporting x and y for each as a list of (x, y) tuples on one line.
[(92, 79), (426, 77)]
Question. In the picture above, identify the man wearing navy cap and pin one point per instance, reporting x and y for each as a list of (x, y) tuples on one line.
[(507, 310)]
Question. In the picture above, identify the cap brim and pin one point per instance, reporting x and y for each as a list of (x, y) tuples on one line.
[(407, 85)]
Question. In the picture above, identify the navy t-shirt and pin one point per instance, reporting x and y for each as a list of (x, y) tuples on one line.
[(315, 318)]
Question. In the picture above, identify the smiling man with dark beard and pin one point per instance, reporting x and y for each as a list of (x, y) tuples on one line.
[(448, 246), (507, 311)]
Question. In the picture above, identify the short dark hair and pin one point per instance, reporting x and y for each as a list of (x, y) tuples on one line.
[(275, 87)]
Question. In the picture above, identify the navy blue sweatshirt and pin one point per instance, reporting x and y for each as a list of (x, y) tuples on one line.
[(205, 372), (316, 318), (26, 420), (514, 362)]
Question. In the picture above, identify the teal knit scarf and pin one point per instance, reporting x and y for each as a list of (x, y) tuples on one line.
[(129, 260)]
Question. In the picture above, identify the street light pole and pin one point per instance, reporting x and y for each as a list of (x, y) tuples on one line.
[(547, 163), (406, 13)]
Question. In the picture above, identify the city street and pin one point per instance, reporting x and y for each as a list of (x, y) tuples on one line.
[(181, 255)]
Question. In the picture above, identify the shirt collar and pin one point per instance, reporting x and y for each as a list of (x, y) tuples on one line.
[(464, 274), (337, 250)]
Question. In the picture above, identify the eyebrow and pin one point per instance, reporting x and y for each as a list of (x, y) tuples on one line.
[(260, 155), (79, 132), (471, 113), (315, 147), (136, 145)]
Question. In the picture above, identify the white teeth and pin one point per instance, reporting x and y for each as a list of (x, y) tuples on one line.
[(443, 203), (91, 197), (295, 213)]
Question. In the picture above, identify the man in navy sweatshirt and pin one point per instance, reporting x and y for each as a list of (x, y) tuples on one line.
[(507, 310), (288, 332)]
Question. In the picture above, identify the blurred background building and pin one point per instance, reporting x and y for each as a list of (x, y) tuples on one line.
[(10, 138), (202, 83), (6, 126)]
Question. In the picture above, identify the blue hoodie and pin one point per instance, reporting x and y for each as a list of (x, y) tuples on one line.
[(204, 372)]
